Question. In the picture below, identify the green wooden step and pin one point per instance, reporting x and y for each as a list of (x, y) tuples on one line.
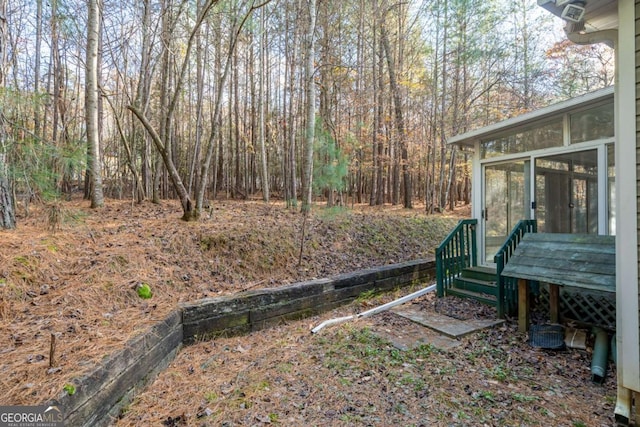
[(485, 273), (480, 297), (476, 285)]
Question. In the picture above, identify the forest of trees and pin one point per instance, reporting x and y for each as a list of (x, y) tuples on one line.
[(350, 101)]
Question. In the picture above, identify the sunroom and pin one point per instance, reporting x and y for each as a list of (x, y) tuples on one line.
[(547, 171)]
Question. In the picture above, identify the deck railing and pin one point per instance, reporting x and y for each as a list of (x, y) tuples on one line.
[(507, 292), (456, 252)]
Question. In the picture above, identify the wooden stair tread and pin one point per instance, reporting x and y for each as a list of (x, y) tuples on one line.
[(482, 269), (481, 297), (491, 284)]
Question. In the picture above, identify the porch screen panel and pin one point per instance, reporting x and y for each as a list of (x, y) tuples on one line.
[(506, 196), (567, 193), (594, 123), (533, 138), (611, 189)]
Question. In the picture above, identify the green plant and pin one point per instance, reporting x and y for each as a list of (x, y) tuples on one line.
[(366, 295), (331, 164), (415, 381), (70, 389), (519, 397), (397, 356), (345, 381), (371, 351), (41, 169), (487, 395), (263, 385), (500, 372), (22, 260), (284, 367), (144, 291), (423, 351), (462, 416)]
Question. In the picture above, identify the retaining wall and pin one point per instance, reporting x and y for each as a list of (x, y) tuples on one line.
[(101, 394)]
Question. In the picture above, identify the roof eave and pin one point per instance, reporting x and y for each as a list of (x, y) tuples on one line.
[(538, 116)]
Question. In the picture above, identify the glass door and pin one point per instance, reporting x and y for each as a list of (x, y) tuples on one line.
[(506, 201), (567, 193)]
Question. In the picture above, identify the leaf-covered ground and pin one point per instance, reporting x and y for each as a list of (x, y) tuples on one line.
[(79, 283)]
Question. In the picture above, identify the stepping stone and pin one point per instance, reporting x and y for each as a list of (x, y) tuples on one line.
[(448, 326), (414, 335)]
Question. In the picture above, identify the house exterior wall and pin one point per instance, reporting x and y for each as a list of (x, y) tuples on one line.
[(627, 171), (637, 111)]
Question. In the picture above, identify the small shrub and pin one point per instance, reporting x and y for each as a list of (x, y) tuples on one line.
[(70, 389), (144, 291)]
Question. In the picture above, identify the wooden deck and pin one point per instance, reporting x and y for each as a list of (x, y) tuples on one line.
[(582, 261)]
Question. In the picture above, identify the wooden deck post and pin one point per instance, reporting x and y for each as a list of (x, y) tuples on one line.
[(523, 305), (554, 302)]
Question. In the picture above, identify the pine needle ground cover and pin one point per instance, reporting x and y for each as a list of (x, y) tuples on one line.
[(96, 278)]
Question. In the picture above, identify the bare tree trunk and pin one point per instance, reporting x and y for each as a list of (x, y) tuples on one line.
[(290, 164), (375, 188), (443, 107), (36, 68), (187, 206), (307, 168), (399, 118), (7, 203), (214, 152), (261, 107), (379, 129), (200, 52), (360, 55), (56, 71), (142, 100), (91, 104)]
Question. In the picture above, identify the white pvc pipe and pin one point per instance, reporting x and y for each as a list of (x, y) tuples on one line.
[(373, 311), (331, 322)]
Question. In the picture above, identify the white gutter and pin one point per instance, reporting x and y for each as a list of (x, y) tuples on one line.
[(373, 311)]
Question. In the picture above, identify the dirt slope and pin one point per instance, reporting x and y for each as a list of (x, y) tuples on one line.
[(73, 271)]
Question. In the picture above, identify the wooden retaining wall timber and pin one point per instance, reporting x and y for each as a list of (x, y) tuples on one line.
[(103, 393), (258, 309)]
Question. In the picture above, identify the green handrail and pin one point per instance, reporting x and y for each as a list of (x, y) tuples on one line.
[(456, 252), (506, 292)]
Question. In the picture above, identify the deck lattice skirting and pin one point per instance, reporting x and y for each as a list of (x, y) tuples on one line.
[(101, 394), (589, 308)]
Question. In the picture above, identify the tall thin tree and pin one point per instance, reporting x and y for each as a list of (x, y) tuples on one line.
[(264, 169), (7, 205), (91, 104), (307, 168), (399, 118)]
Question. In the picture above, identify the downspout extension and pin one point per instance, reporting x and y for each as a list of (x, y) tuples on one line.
[(375, 310), (600, 356)]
